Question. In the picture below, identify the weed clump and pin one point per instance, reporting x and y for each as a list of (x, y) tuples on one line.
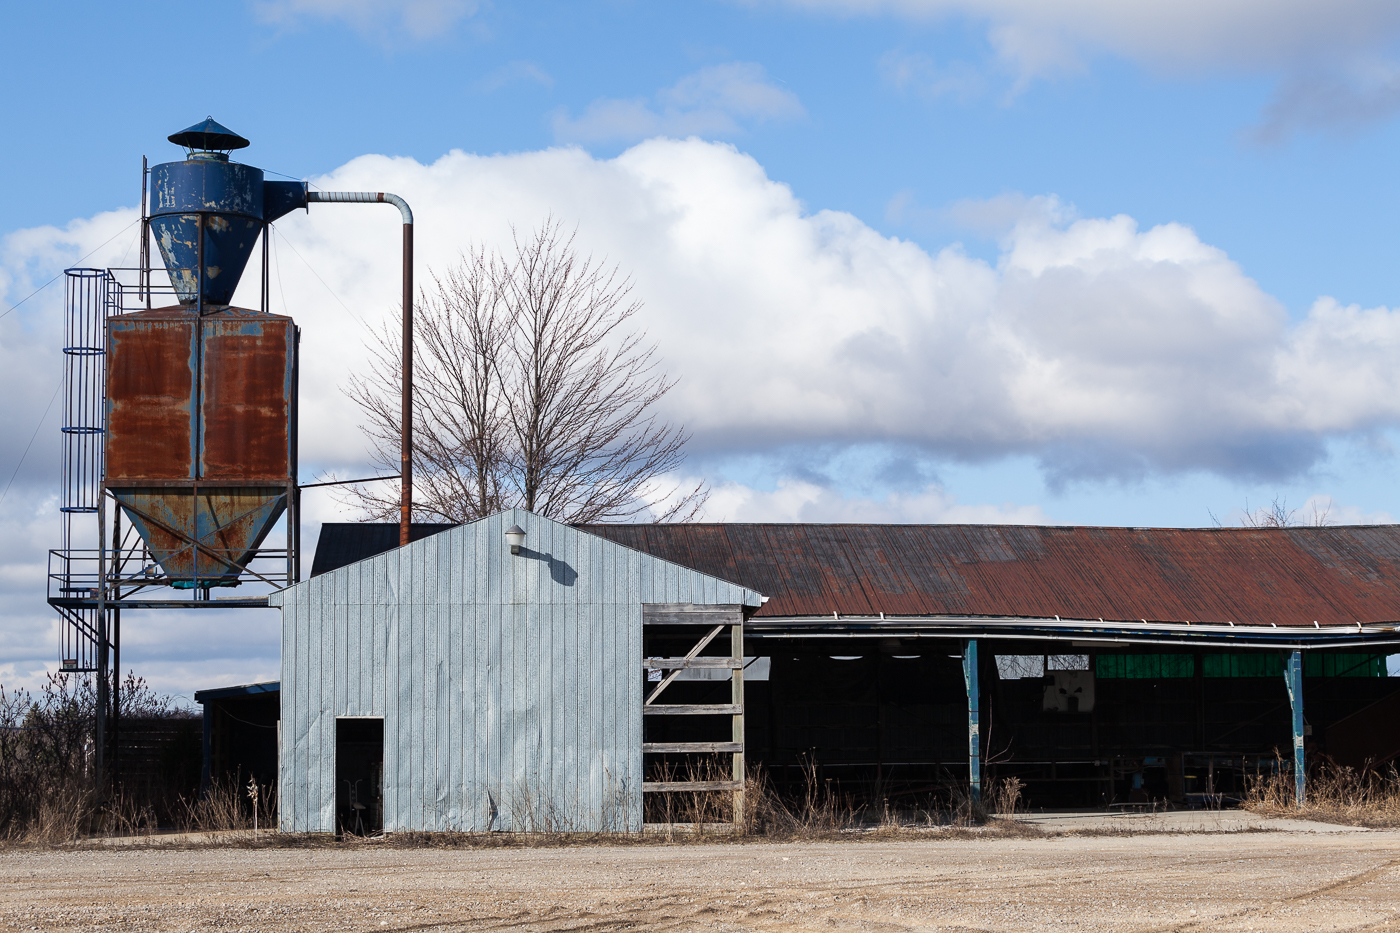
[(49, 791), (1335, 794)]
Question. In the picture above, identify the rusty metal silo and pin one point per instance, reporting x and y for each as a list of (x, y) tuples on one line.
[(186, 415), (201, 443)]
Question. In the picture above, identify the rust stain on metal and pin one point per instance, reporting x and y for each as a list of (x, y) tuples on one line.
[(247, 402), (199, 443), (245, 391), (149, 388), (210, 533), (1284, 576)]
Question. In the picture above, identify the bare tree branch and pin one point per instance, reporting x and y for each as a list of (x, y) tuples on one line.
[(1278, 515), (529, 391)]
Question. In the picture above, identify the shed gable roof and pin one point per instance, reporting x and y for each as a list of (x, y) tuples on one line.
[(456, 562)]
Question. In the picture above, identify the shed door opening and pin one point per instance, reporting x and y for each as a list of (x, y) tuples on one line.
[(359, 775)]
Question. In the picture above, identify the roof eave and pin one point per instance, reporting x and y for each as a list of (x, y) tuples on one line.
[(1090, 630)]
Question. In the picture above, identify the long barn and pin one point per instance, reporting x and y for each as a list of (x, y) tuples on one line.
[(457, 684)]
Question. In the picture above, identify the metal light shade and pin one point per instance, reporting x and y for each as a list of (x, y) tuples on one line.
[(515, 537)]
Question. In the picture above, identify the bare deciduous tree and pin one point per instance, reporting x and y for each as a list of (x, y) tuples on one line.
[(1278, 515), (528, 391)]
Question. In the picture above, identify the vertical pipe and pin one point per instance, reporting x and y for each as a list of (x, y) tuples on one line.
[(406, 442), (294, 470), (406, 413), (736, 697), (1293, 677), (974, 726)]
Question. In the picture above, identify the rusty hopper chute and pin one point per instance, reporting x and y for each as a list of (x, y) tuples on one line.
[(201, 397)]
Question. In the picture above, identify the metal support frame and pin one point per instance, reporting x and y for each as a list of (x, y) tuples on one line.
[(1293, 678), (974, 726), (717, 619)]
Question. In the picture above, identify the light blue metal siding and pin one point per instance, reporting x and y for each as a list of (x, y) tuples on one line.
[(509, 685)]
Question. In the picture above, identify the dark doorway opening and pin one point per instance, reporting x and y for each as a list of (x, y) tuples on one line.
[(359, 775)]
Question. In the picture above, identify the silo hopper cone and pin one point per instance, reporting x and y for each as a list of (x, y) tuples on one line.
[(203, 538)]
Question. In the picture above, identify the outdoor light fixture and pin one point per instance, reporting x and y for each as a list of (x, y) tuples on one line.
[(515, 536)]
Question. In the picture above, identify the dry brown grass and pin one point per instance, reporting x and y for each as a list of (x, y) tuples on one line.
[(227, 806), (818, 811), (1335, 794)]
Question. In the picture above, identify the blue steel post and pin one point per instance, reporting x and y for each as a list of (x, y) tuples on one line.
[(974, 728), (1293, 676)]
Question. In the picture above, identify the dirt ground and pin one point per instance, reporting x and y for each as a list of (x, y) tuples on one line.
[(1287, 879)]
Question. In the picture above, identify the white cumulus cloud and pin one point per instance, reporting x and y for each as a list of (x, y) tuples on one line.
[(718, 100), (797, 500), (1096, 346), (1101, 348)]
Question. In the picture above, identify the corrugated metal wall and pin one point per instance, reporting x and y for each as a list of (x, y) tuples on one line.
[(509, 685)]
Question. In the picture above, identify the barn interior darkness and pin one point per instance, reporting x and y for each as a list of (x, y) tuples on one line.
[(884, 720)]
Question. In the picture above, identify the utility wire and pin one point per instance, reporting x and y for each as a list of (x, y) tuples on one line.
[(277, 261), (60, 275), (268, 171), (323, 283), (42, 419)]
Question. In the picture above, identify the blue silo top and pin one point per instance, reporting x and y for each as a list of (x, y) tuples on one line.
[(206, 199)]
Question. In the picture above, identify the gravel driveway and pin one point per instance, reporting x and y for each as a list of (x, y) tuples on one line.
[(1238, 881)]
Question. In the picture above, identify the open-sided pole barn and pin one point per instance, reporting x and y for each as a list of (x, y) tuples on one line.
[(451, 684)]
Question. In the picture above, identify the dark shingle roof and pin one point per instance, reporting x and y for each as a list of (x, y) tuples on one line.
[(343, 543)]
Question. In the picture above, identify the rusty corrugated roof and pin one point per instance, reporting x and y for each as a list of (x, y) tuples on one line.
[(1288, 576)]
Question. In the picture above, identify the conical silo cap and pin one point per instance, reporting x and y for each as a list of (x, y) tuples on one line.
[(208, 136)]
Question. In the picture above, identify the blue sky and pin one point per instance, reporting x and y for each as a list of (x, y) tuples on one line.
[(913, 260), (1306, 214)]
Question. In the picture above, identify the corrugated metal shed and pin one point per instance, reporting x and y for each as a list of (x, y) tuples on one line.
[(510, 686), (1286, 576)]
